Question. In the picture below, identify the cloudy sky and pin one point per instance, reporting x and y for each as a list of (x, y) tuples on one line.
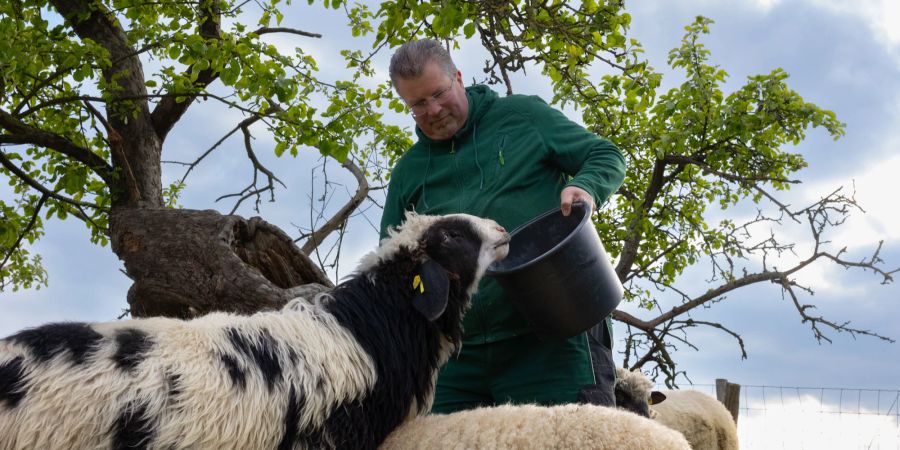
[(846, 59), (843, 56)]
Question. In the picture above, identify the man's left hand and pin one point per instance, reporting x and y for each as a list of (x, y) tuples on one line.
[(572, 194)]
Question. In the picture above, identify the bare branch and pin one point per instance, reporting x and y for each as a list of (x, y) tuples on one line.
[(692, 322), (865, 264), (246, 193), (340, 217), (828, 212), (249, 191), (192, 165), (490, 42), (242, 125), (814, 321)]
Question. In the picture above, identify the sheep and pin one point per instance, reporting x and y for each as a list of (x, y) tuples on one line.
[(341, 370), (523, 427), (703, 420), (633, 392)]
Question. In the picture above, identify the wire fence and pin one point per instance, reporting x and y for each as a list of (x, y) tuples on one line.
[(790, 417)]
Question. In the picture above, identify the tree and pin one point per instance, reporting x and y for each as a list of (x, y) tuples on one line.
[(697, 149), (84, 130)]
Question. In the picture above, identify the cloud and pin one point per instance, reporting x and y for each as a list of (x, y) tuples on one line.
[(869, 176), (764, 5), (798, 418), (881, 16), (875, 188)]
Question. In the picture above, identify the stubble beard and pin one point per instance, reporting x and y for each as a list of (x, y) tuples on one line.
[(445, 127)]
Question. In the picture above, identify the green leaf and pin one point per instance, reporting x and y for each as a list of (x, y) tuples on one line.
[(280, 146), (469, 30)]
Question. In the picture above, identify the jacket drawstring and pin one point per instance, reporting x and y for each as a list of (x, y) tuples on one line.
[(425, 178), (475, 139)]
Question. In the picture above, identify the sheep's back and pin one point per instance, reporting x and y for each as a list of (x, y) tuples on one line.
[(205, 383), (702, 419), (534, 427)]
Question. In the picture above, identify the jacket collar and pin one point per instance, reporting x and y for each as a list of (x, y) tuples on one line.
[(480, 99)]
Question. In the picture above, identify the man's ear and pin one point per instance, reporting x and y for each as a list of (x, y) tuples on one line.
[(431, 284)]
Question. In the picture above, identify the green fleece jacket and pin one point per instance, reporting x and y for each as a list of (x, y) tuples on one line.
[(509, 162)]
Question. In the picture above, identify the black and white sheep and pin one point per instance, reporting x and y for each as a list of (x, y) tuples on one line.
[(703, 420), (341, 371)]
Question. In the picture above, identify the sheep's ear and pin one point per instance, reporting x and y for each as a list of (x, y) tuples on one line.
[(432, 287), (657, 397)]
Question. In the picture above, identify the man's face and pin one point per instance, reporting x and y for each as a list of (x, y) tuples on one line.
[(438, 102)]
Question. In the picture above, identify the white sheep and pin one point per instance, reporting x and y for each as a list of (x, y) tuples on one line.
[(339, 372), (525, 427), (703, 420)]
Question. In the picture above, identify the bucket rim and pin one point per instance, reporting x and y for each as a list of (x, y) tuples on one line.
[(586, 217)]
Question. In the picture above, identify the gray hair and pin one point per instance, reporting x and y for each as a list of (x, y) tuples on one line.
[(410, 59)]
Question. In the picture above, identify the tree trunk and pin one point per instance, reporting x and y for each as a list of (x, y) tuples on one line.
[(187, 263), (184, 263)]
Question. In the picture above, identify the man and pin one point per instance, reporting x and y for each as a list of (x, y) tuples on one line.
[(509, 159)]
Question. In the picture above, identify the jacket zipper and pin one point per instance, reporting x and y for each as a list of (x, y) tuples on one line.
[(459, 187), (500, 161), (476, 309)]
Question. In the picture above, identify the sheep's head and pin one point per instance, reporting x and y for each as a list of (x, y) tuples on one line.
[(634, 392), (465, 246), (450, 252)]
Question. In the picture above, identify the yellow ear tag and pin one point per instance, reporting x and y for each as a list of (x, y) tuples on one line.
[(418, 284)]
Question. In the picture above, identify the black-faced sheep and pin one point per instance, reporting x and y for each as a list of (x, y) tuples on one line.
[(338, 372), (527, 427), (703, 420), (634, 392)]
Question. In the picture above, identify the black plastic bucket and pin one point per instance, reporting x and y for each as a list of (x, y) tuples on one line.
[(558, 274)]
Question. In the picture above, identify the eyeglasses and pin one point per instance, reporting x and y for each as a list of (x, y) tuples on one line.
[(421, 107)]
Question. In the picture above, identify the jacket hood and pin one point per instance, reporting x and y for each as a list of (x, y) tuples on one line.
[(480, 99)]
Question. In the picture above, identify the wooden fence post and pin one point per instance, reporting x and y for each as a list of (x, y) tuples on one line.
[(730, 396)]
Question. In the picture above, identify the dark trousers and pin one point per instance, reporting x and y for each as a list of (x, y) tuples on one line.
[(600, 344)]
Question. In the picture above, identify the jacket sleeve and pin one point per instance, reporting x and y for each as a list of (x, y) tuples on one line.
[(594, 163)]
